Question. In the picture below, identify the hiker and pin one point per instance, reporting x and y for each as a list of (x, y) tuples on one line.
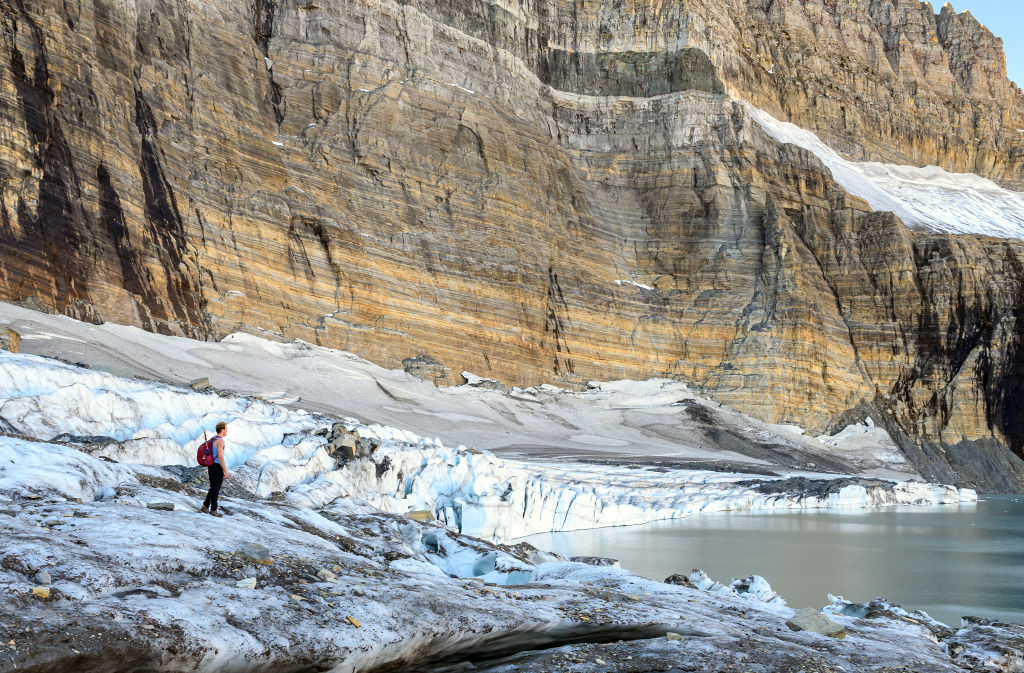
[(218, 471)]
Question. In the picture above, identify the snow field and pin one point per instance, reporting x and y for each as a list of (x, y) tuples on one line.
[(924, 198)]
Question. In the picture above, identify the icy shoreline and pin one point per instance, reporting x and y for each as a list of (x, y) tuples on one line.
[(484, 496), (106, 565)]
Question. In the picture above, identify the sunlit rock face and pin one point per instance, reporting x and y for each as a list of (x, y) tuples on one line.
[(885, 80), (530, 191)]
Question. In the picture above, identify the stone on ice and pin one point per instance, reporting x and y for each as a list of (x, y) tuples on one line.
[(9, 339), (256, 553), (596, 561), (679, 580), (421, 515), (200, 383), (809, 619)]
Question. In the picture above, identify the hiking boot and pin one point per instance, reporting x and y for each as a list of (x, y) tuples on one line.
[(204, 509), (215, 513)]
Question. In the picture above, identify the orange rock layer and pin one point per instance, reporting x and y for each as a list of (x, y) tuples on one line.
[(514, 194)]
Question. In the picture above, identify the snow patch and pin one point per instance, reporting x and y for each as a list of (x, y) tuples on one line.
[(924, 198), (634, 284)]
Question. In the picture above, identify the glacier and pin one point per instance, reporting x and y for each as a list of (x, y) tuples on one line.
[(928, 197), (108, 566), (275, 449)]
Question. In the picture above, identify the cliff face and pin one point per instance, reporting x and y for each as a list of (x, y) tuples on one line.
[(882, 80), (533, 192)]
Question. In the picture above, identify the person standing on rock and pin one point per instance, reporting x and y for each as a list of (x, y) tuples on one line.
[(218, 471)]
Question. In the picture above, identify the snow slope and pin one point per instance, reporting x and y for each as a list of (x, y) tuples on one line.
[(924, 198), (344, 588)]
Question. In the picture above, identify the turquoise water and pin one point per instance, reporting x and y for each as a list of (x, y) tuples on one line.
[(949, 561)]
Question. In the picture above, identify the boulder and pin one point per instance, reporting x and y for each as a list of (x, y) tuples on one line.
[(421, 515), (343, 445), (200, 384), (680, 580), (809, 619), (163, 506), (43, 578), (346, 444), (36, 304), (41, 592), (84, 311), (482, 383), (9, 340), (596, 561), (255, 553), (247, 583), (428, 368), (366, 446)]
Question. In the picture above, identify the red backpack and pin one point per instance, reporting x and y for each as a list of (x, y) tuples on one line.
[(204, 454)]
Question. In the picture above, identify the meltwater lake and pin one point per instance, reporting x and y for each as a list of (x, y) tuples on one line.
[(949, 561)]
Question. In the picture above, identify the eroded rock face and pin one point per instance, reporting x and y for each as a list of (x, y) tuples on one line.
[(882, 80), (453, 178)]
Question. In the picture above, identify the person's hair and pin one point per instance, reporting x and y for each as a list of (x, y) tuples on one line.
[(221, 426)]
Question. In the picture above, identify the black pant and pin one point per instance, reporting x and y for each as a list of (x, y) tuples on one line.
[(216, 479)]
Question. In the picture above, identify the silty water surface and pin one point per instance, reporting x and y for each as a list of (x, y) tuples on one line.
[(949, 561)]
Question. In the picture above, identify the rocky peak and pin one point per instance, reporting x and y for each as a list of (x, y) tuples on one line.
[(976, 56)]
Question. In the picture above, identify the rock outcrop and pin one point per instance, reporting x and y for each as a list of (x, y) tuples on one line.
[(528, 191), (882, 80)]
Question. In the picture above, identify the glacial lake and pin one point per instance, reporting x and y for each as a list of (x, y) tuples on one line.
[(949, 561)]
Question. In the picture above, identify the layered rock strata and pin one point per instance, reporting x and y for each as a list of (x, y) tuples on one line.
[(886, 80), (530, 192), (882, 80)]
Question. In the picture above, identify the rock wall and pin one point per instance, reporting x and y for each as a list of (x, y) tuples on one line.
[(881, 80), (530, 191)]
